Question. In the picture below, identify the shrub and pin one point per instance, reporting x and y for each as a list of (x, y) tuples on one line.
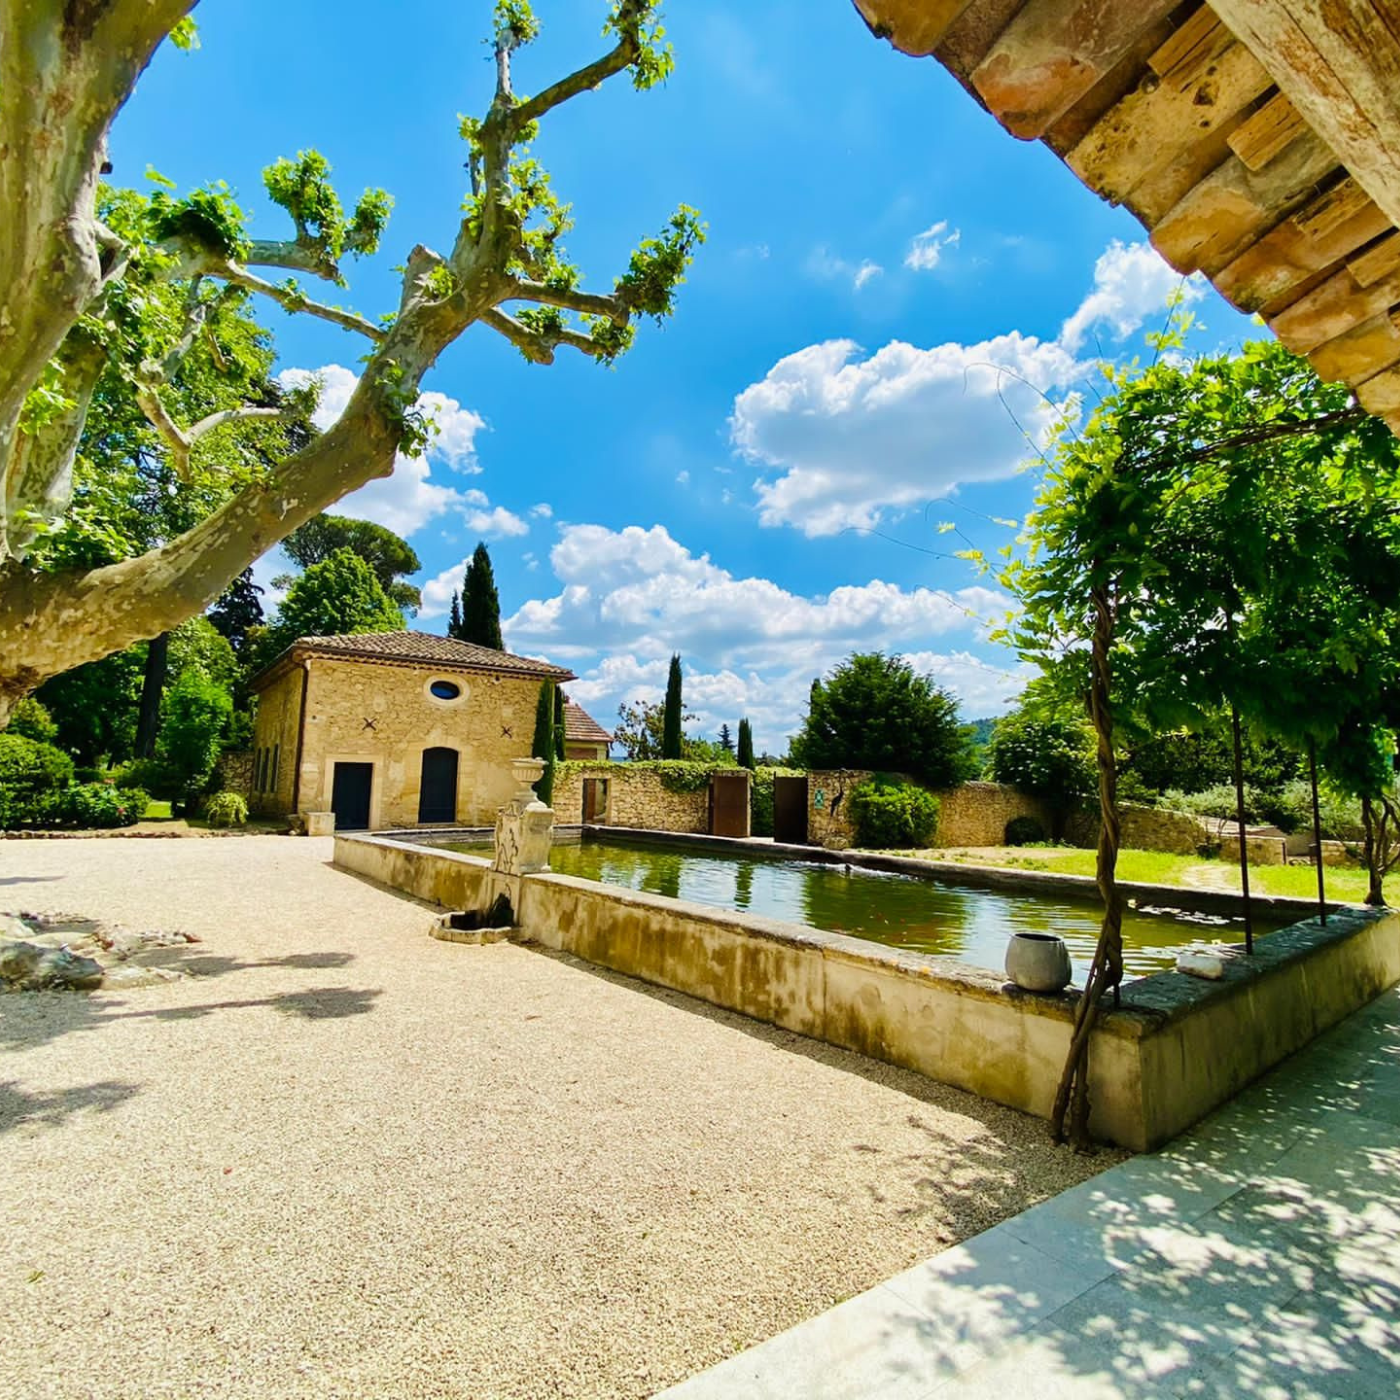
[(32, 775), (93, 805), (1024, 831), (30, 720), (1050, 758), (194, 715), (149, 774), (890, 814), (226, 809)]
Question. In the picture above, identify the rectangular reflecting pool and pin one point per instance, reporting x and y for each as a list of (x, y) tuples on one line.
[(901, 911)]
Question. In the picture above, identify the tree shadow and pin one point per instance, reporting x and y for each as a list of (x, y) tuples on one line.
[(30, 879), (19, 1106), (1258, 1255)]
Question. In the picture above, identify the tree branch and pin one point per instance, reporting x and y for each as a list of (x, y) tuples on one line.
[(293, 301), (584, 80), (294, 254), (585, 303), (537, 348), (180, 441)]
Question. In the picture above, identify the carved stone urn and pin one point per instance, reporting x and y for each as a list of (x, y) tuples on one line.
[(1038, 962), (524, 826)]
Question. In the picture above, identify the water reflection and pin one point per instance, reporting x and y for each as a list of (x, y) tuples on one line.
[(901, 911)]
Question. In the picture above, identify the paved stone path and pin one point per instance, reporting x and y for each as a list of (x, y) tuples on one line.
[(1258, 1256)]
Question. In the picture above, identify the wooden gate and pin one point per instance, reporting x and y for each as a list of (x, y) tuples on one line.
[(729, 803), (595, 801), (790, 811)]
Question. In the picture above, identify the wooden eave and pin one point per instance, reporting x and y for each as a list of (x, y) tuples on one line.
[(1257, 141)]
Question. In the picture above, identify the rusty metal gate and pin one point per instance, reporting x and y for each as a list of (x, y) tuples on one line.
[(729, 804), (790, 811)]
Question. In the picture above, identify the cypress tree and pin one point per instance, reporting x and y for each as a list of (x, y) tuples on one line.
[(726, 739), (558, 723), (454, 618), (481, 608), (545, 743), (671, 719), (746, 758)]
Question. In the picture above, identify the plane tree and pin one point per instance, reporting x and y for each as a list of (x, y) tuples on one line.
[(1198, 503), (87, 281)]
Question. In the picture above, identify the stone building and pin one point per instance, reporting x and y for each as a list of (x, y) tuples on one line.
[(584, 737), (393, 729)]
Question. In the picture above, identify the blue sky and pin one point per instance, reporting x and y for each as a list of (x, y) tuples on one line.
[(746, 486)]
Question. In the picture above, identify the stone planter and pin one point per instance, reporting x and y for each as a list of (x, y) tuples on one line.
[(1038, 962)]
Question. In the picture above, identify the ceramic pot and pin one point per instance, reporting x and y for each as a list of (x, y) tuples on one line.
[(1038, 962)]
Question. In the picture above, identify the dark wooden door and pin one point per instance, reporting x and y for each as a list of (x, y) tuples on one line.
[(729, 804), (790, 811), (437, 794), (350, 790)]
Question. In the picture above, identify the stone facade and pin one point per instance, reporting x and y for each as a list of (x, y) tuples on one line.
[(974, 814), (634, 797), (384, 714), (235, 773)]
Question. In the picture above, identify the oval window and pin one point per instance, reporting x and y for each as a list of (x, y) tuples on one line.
[(445, 690)]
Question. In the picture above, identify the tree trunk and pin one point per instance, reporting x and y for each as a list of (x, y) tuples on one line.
[(1106, 969), (1375, 862), (152, 692), (1317, 833)]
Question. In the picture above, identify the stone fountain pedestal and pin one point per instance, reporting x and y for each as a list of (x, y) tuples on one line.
[(524, 826)]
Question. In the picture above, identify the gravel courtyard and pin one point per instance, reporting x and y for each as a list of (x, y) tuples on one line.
[(343, 1159)]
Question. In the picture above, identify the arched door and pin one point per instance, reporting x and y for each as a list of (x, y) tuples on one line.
[(437, 794)]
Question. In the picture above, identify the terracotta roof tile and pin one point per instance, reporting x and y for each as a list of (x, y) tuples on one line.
[(581, 728), (426, 649)]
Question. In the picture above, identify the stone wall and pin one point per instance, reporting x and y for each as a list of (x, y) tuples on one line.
[(234, 773), (1144, 829), (1176, 1049), (369, 712), (636, 798), (974, 814), (275, 745)]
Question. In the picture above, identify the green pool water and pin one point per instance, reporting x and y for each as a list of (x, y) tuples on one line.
[(903, 911)]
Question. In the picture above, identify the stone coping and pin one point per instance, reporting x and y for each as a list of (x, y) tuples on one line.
[(1147, 1004)]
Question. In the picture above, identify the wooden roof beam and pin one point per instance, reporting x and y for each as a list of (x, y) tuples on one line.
[(1338, 62)]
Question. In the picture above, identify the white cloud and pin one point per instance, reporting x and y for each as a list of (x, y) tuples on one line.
[(926, 251), (410, 498), (631, 597), (543, 511), (1131, 283), (682, 478), (824, 266), (844, 438), (867, 272), (850, 438)]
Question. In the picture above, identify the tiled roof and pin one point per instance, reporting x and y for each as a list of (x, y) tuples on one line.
[(424, 649), (581, 728)]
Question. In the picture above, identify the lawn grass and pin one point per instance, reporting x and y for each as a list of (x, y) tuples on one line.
[(1344, 884)]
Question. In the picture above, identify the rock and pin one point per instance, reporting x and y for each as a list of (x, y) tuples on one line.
[(128, 977), (13, 929), (26, 967), (1196, 962)]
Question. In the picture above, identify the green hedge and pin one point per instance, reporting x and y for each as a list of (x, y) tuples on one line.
[(890, 814), (32, 775), (677, 774)]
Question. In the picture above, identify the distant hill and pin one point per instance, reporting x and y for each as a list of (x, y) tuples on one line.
[(982, 732)]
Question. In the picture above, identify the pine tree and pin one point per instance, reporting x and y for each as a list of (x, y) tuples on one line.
[(481, 608), (726, 739), (671, 727), (746, 758), (454, 617), (545, 742)]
